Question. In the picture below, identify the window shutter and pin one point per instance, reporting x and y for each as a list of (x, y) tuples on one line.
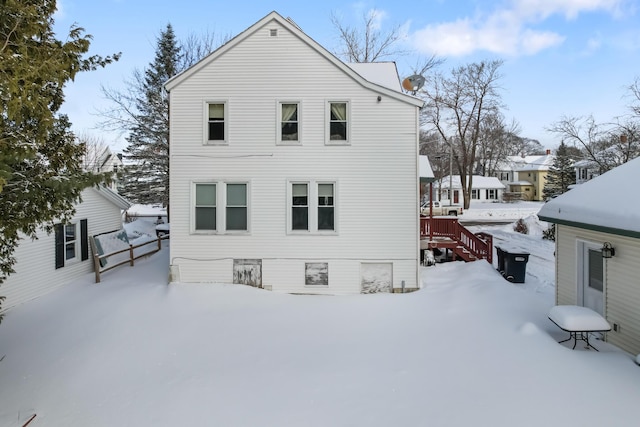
[(84, 242), (59, 232)]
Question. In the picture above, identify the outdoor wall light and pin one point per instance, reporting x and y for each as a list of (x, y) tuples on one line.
[(607, 250)]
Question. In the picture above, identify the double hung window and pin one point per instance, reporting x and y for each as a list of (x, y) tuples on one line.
[(71, 243), (312, 206), (289, 130), (216, 122), (338, 123), (231, 197), (205, 207)]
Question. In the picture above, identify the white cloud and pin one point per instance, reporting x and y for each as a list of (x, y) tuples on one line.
[(570, 9), (507, 31)]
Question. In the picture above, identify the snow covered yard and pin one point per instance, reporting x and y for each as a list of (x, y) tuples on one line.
[(468, 349)]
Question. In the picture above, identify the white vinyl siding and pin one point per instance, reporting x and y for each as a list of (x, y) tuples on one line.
[(379, 163), (35, 270)]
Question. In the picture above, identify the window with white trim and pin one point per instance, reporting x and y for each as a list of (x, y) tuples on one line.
[(300, 206), (289, 122), (237, 207), (205, 207), (71, 243), (475, 194), (338, 122), (219, 207), (312, 206), (326, 208), (216, 126), (492, 194)]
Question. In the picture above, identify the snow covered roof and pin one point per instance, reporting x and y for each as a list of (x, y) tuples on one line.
[(601, 204), (535, 163), (426, 173), (479, 181), (381, 73), (112, 196)]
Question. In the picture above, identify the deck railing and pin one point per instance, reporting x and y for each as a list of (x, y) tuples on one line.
[(479, 245)]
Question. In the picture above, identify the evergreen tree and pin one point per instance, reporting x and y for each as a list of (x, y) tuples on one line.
[(561, 174), (41, 175), (147, 178)]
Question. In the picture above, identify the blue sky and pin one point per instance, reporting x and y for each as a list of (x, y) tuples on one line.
[(561, 57)]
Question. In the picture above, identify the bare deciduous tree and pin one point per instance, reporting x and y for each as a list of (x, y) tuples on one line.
[(368, 43), (95, 148), (456, 106)]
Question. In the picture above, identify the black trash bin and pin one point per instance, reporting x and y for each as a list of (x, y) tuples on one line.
[(500, 255), (515, 266)]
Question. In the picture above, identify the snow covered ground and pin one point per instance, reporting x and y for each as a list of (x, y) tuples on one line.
[(469, 349)]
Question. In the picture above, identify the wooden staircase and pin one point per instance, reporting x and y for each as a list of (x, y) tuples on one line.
[(448, 233)]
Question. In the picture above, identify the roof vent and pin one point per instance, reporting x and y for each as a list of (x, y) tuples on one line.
[(273, 32)]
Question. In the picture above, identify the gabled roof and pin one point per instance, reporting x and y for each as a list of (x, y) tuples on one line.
[(380, 86), (112, 197), (479, 181), (533, 163), (601, 204), (426, 173)]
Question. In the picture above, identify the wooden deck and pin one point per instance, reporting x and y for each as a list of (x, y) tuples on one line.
[(448, 233)]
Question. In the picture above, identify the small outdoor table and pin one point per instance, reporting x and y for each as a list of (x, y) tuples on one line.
[(579, 322)]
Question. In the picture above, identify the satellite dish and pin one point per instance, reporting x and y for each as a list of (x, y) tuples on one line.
[(413, 83)]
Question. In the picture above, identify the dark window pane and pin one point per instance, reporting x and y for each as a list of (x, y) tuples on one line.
[(216, 131), (338, 131), (70, 251), (300, 218), (325, 218), (596, 270), (237, 218), (299, 200), (290, 131), (206, 218)]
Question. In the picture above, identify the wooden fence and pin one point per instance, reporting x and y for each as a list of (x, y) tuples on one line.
[(97, 265)]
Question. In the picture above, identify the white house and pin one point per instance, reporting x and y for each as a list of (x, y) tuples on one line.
[(586, 223), (483, 188), (105, 161), (291, 170), (56, 259)]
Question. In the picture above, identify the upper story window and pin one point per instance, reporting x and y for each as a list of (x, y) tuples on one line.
[(338, 125), (216, 122), (289, 116)]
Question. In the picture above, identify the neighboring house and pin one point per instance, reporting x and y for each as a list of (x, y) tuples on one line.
[(291, 170), (483, 188), (106, 161), (56, 259), (525, 176), (586, 170), (585, 223)]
